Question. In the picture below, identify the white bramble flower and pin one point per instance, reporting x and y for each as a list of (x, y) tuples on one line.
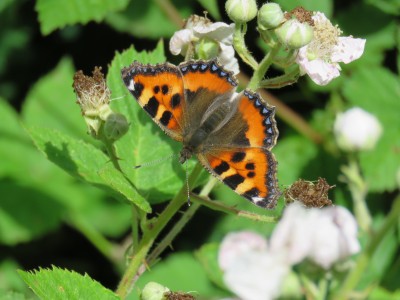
[(251, 271), (356, 129), (320, 58), (325, 236), (198, 29)]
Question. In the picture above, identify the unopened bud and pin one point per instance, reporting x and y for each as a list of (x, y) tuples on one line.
[(241, 11), (115, 126), (294, 34), (270, 16), (154, 291)]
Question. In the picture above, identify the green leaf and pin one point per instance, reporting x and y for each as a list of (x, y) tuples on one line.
[(9, 295), (52, 103), (379, 95), (145, 141), (212, 7), (81, 160), (208, 257), (63, 284), (147, 19), (120, 183), (388, 6), (26, 213), (54, 14), (9, 279), (293, 154), (180, 272)]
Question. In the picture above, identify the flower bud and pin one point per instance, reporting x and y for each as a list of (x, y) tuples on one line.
[(207, 48), (356, 129), (294, 34), (153, 291), (241, 11), (115, 126), (270, 16)]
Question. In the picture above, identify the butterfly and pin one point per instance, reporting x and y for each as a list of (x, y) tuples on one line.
[(231, 133)]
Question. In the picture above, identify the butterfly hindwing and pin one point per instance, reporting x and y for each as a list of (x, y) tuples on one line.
[(159, 90), (239, 153)]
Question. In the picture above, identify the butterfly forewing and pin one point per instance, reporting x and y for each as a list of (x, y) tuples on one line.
[(204, 82), (159, 90)]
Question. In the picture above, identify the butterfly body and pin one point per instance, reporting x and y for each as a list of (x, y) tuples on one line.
[(231, 134)]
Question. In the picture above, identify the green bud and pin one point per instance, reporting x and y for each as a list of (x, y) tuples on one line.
[(115, 126), (241, 11), (153, 291), (270, 16), (294, 34), (207, 48)]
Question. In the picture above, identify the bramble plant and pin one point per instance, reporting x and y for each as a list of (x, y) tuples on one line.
[(334, 232)]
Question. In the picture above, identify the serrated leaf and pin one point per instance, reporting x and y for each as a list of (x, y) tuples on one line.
[(148, 19), (79, 159), (51, 103), (208, 257), (145, 141), (120, 183), (379, 95), (180, 272), (55, 14), (62, 284)]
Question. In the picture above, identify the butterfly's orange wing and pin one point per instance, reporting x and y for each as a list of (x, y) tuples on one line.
[(159, 90), (239, 153)]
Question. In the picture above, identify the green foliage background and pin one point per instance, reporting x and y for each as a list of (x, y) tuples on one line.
[(62, 204)]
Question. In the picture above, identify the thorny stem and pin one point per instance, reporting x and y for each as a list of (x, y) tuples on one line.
[(263, 67), (151, 234), (353, 278), (240, 45)]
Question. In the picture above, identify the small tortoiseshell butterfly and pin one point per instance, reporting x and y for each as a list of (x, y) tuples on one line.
[(231, 135)]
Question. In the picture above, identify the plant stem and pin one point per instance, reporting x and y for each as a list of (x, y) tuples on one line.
[(240, 45), (104, 246), (263, 67), (358, 189), (185, 218), (218, 206), (281, 81), (363, 260), (151, 234)]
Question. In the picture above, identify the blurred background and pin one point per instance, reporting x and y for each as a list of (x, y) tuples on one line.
[(49, 218)]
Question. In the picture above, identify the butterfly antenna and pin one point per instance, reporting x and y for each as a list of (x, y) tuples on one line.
[(156, 161), (187, 184)]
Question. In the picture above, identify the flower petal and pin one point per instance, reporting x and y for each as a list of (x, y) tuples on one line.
[(257, 276), (236, 244), (179, 41), (348, 49), (217, 31), (320, 72), (227, 58)]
